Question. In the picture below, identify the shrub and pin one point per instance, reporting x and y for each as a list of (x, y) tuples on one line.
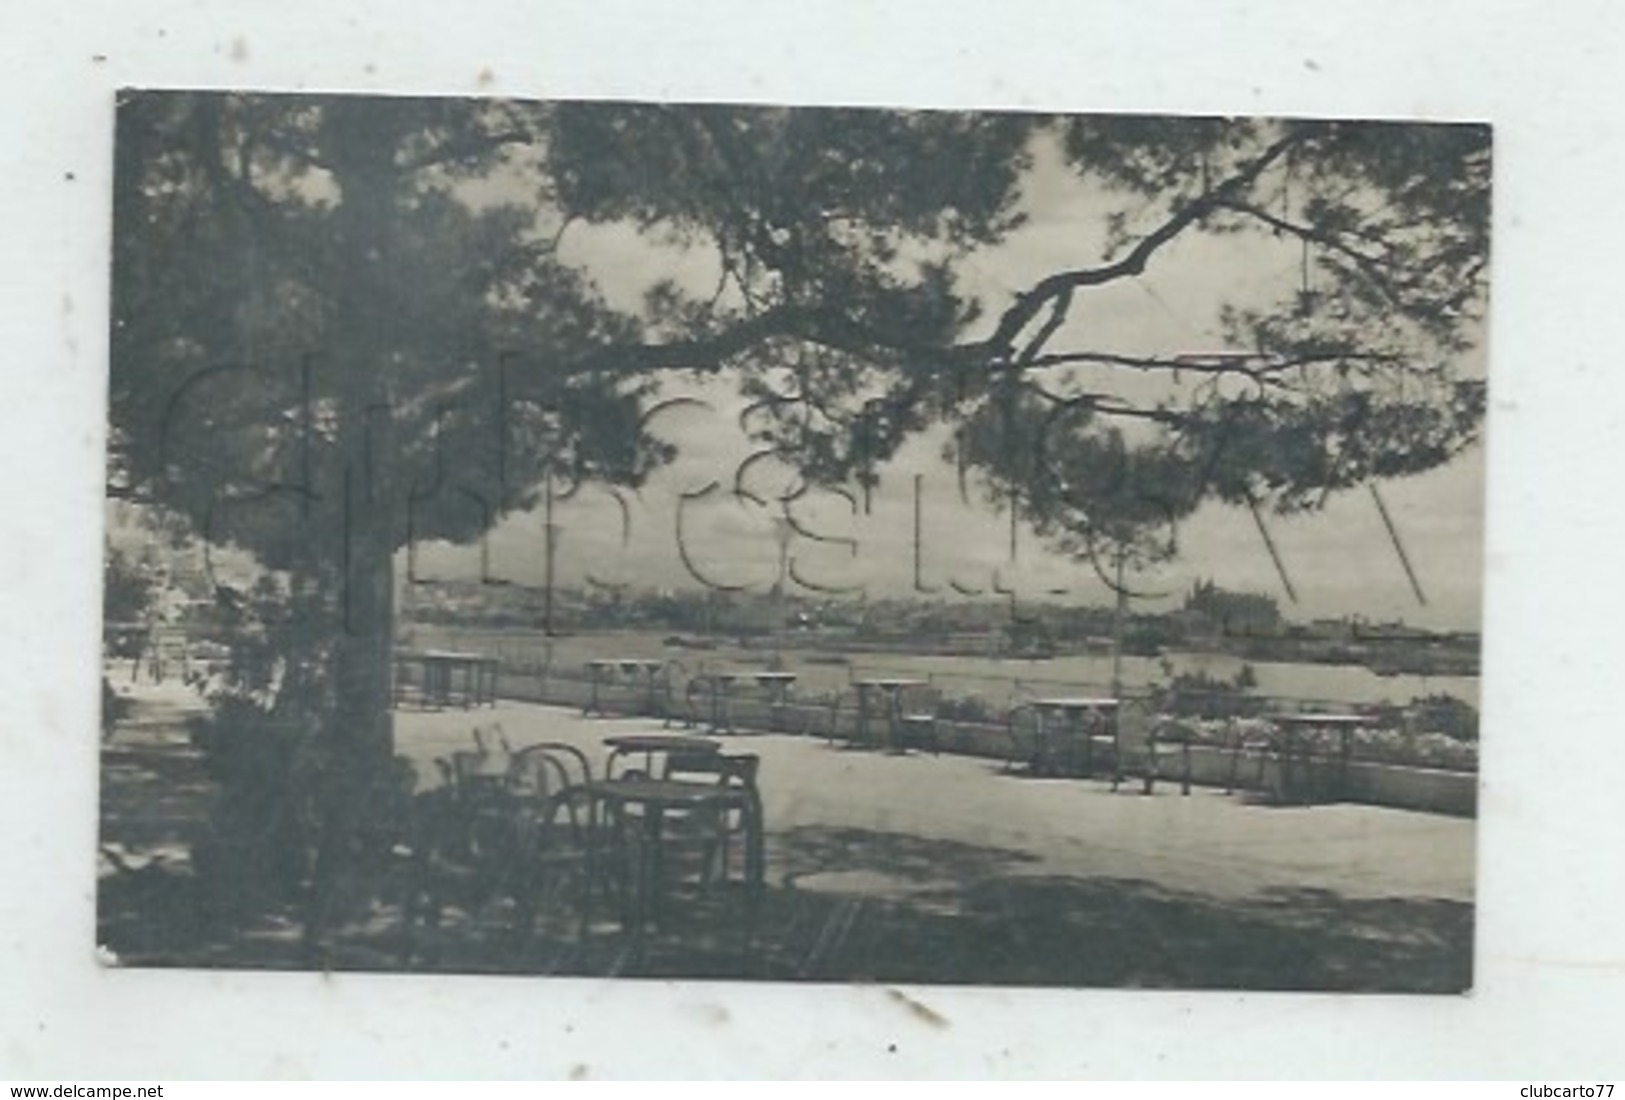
[(969, 708), (1388, 744), (262, 821), (1201, 695), (1445, 714), (260, 742)]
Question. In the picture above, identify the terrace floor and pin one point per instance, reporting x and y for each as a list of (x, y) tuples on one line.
[(938, 869)]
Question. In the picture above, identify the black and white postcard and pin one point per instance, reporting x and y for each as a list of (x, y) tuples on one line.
[(792, 543), (810, 540)]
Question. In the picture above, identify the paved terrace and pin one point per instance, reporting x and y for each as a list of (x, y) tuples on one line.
[(948, 869)]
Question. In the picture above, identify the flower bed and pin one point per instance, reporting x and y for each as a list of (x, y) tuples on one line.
[(1377, 745)]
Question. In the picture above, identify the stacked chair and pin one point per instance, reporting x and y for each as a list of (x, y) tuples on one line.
[(504, 827), (528, 835)]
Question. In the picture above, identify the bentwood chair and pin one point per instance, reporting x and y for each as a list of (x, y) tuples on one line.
[(1129, 734), (842, 706), (1169, 736), (916, 718), (713, 829), (1249, 742), (555, 819), (504, 827), (463, 850), (1024, 727)]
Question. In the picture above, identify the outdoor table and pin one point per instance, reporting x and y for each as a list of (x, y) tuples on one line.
[(1292, 748), (892, 688), (649, 744), (600, 670), (1072, 711), (653, 798), (648, 670), (777, 685), (717, 686), (440, 669)]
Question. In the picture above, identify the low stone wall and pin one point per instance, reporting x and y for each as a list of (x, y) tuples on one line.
[(1430, 790)]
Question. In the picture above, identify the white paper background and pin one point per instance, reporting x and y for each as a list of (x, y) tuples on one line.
[(1551, 971)]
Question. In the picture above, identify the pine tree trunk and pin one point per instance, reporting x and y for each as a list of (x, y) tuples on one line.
[(358, 743)]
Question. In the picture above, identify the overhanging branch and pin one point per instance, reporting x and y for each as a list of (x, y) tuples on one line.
[(1369, 265), (468, 148), (1029, 305)]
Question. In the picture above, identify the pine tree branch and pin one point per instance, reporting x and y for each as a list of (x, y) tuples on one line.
[(465, 149), (1029, 305), (1369, 265)]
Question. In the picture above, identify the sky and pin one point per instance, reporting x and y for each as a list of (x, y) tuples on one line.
[(1336, 562)]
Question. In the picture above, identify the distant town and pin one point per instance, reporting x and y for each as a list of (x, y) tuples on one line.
[(1210, 619)]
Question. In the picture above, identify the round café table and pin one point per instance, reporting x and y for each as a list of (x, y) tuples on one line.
[(1074, 712), (651, 745), (777, 685), (601, 670), (892, 688), (1296, 777), (717, 688), (651, 799)]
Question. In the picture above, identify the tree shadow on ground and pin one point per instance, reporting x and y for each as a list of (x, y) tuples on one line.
[(154, 799), (1003, 926), (806, 854), (956, 913), (154, 809)]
